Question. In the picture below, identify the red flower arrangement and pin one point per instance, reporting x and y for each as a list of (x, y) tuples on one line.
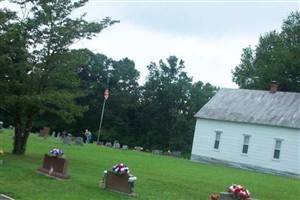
[(120, 169), (239, 191)]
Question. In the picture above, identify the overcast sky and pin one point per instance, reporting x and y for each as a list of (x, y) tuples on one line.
[(208, 35)]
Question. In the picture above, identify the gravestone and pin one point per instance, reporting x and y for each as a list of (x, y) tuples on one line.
[(53, 134), (79, 141), (108, 144), (119, 183), (157, 152), (67, 140), (44, 132), (125, 147), (116, 145), (54, 166), (176, 154), (138, 148)]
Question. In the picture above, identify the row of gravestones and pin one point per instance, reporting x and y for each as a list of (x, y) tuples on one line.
[(68, 140), (79, 141), (170, 153), (57, 167), (116, 145)]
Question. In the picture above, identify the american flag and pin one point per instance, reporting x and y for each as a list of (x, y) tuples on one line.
[(106, 94)]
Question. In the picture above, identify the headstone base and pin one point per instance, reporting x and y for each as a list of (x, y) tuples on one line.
[(53, 174)]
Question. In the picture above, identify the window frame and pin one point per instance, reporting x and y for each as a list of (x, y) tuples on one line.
[(246, 146), (217, 140), (277, 151)]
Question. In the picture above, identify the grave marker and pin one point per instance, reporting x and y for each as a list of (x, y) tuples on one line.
[(67, 140), (54, 166), (157, 152), (79, 141)]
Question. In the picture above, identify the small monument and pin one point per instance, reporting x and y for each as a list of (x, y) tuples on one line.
[(119, 180), (67, 140), (157, 151), (108, 144), (116, 145), (79, 141), (44, 132), (55, 165)]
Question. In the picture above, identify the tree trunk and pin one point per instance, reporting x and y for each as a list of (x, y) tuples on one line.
[(20, 140), (21, 136)]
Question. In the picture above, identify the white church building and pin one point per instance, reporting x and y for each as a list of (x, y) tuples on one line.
[(252, 129)]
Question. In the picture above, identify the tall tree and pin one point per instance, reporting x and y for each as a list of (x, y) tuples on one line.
[(121, 110), (164, 105), (275, 58), (169, 103), (38, 70)]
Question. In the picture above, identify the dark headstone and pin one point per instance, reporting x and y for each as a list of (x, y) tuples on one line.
[(54, 166), (44, 132), (119, 183)]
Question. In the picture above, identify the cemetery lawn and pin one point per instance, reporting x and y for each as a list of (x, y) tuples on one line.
[(158, 177)]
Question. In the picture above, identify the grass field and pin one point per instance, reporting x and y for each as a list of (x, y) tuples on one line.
[(159, 177)]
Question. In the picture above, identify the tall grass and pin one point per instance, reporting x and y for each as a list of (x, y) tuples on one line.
[(159, 177)]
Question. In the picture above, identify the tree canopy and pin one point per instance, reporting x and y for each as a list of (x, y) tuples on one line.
[(275, 58), (38, 70)]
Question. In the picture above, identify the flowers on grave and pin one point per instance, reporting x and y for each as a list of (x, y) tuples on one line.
[(239, 191), (120, 169), (56, 153)]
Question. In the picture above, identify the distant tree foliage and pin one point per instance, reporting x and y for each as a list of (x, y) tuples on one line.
[(275, 58), (38, 71), (169, 103)]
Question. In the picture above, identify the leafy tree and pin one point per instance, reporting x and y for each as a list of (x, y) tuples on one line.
[(169, 103), (119, 122), (121, 112), (38, 70), (275, 58)]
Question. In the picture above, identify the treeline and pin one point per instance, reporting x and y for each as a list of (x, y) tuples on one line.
[(156, 115)]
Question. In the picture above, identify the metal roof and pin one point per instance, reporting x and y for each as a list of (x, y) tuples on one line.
[(254, 106)]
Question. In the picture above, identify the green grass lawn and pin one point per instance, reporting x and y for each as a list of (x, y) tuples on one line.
[(159, 177)]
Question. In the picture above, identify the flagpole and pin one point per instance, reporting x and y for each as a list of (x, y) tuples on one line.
[(102, 113), (101, 120)]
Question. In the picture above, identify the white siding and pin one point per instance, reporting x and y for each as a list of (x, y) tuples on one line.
[(261, 145)]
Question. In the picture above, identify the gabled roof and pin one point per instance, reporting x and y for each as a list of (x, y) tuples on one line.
[(254, 106)]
